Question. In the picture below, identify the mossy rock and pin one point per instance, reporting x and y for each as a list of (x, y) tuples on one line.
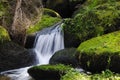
[(100, 53), (45, 22), (65, 56), (91, 21), (105, 75), (48, 72), (4, 36)]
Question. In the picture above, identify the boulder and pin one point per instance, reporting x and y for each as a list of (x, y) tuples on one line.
[(13, 56), (100, 53), (48, 72), (65, 56)]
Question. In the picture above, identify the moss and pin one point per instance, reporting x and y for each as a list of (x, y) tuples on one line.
[(94, 21), (51, 72), (105, 75), (57, 67), (101, 52), (105, 43), (45, 22), (104, 16), (4, 36)]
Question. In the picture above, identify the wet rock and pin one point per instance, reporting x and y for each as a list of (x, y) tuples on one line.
[(13, 56), (65, 56)]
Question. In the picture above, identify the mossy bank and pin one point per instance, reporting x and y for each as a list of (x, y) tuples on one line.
[(93, 18)]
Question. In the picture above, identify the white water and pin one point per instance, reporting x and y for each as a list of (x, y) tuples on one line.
[(47, 42)]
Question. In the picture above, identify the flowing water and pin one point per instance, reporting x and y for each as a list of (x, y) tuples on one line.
[(47, 42)]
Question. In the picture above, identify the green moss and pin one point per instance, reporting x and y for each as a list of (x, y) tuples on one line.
[(105, 15), (105, 75), (106, 43), (57, 67), (45, 22), (4, 36)]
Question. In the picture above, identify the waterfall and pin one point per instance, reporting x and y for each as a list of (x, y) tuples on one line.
[(47, 42)]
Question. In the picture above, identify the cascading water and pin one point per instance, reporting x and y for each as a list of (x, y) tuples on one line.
[(47, 42)]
